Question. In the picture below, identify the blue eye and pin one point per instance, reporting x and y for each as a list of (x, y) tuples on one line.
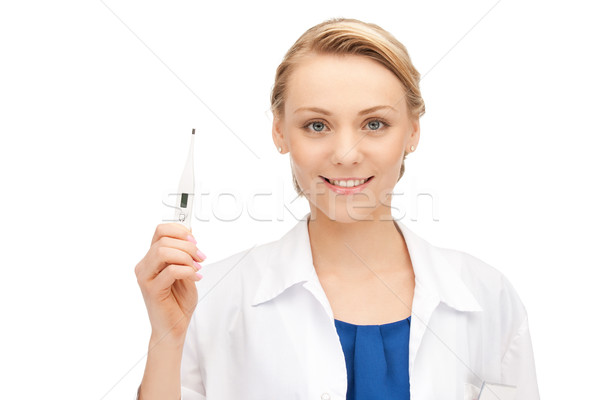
[(318, 126), (374, 124), (377, 124)]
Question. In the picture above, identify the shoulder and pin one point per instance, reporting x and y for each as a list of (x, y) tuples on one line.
[(244, 266), (490, 287), (225, 290)]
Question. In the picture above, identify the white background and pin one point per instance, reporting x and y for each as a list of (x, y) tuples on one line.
[(97, 102)]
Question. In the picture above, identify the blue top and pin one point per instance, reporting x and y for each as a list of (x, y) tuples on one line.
[(376, 359)]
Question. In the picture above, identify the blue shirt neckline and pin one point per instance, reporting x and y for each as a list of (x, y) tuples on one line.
[(388, 324)]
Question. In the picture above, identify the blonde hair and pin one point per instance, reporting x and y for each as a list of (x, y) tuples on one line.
[(355, 37)]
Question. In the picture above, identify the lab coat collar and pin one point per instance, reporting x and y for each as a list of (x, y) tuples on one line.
[(291, 263), (435, 274)]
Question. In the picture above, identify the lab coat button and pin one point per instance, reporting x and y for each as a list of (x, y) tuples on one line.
[(325, 396)]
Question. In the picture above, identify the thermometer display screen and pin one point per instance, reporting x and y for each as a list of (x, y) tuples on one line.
[(184, 198)]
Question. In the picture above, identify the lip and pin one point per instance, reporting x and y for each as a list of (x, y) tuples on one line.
[(346, 191)]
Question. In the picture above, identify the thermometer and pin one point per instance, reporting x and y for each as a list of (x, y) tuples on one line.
[(185, 195)]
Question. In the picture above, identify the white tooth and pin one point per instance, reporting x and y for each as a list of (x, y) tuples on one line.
[(350, 183)]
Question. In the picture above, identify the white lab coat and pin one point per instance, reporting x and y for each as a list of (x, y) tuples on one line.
[(263, 328)]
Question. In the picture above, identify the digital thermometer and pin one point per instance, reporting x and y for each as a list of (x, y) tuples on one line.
[(185, 195)]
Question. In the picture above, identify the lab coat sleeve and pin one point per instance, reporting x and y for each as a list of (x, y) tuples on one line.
[(518, 366), (192, 387)]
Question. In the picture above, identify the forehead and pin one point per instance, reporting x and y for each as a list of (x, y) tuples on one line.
[(342, 80)]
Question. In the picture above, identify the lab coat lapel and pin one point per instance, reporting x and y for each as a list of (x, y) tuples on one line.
[(425, 299), (436, 281), (424, 304), (291, 285)]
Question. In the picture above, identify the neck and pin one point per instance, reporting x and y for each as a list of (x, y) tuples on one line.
[(358, 248)]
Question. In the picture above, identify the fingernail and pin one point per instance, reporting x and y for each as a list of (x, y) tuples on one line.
[(201, 255), (197, 265), (191, 239), (198, 275)]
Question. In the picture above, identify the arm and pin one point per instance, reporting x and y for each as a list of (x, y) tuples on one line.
[(162, 374), (173, 369)]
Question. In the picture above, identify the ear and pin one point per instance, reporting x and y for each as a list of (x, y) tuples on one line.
[(278, 134), (413, 140)]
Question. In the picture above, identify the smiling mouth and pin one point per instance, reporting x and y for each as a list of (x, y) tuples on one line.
[(347, 183)]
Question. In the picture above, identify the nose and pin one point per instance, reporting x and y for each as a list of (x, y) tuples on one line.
[(346, 147)]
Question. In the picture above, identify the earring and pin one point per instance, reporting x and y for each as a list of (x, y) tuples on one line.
[(412, 148), (279, 149)]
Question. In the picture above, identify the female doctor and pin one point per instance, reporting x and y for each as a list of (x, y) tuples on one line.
[(349, 304)]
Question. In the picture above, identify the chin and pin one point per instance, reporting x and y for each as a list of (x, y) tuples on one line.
[(363, 206), (344, 213)]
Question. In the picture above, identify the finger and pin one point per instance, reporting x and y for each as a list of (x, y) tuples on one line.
[(171, 229), (173, 272), (164, 256), (183, 245)]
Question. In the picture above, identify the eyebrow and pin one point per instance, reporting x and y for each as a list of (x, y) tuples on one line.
[(363, 112)]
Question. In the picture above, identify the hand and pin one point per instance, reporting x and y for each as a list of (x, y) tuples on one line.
[(167, 277)]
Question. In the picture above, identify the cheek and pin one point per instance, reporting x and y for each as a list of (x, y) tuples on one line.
[(389, 165), (305, 157), (389, 160)]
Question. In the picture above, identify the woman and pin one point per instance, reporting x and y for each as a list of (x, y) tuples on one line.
[(349, 303)]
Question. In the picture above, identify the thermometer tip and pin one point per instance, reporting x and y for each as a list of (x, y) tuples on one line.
[(193, 131)]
